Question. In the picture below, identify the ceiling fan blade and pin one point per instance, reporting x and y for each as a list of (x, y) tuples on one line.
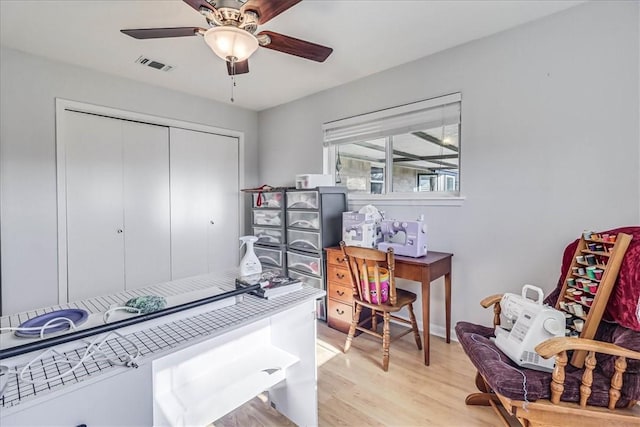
[(241, 67), (159, 33), (197, 4), (293, 46), (267, 9)]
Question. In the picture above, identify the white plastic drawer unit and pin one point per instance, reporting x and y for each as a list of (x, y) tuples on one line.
[(268, 200), (269, 256), (305, 263), (269, 236), (308, 280), (267, 217), (302, 200), (301, 219), (304, 240), (275, 270)]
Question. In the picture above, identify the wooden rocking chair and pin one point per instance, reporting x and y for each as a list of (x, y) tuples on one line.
[(565, 381), (604, 392)]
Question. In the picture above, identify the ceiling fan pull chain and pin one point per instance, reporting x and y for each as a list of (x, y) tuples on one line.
[(233, 78)]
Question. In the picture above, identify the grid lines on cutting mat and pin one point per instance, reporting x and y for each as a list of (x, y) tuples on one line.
[(149, 341)]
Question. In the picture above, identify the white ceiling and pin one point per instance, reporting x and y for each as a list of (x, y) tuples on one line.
[(367, 37)]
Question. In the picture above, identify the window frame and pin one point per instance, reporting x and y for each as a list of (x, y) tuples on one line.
[(433, 198)]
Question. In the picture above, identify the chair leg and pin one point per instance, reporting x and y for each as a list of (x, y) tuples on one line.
[(414, 326), (374, 320), (481, 384), (386, 339), (352, 328)]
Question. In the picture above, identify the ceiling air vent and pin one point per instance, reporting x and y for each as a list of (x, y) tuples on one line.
[(143, 60)]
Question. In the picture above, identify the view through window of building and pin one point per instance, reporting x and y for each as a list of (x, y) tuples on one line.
[(408, 149)]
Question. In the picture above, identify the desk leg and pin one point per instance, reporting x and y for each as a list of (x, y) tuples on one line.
[(447, 304), (426, 303)]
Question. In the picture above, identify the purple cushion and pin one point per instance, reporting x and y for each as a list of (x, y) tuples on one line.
[(514, 382)]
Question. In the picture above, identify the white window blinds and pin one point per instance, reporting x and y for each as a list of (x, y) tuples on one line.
[(428, 114)]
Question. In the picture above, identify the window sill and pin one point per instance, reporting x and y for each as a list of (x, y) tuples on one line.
[(406, 199)]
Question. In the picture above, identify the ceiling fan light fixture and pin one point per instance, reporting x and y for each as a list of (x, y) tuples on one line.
[(231, 43)]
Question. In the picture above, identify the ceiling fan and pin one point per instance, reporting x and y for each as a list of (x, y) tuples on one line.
[(231, 34)]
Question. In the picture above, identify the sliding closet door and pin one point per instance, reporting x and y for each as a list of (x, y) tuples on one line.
[(95, 219), (224, 190), (204, 202), (147, 250), (118, 209)]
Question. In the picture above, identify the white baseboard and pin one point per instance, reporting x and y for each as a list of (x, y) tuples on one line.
[(437, 330)]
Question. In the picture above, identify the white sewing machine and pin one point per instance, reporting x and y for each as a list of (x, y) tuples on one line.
[(407, 238), (525, 323), (362, 228)]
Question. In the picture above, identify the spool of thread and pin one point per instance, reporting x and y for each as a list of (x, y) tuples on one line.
[(578, 310)]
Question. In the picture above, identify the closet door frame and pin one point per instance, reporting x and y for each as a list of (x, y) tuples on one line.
[(63, 105)]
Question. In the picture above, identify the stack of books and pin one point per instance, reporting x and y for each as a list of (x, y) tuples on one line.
[(271, 285)]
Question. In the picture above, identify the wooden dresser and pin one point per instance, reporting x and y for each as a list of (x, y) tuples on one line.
[(339, 293)]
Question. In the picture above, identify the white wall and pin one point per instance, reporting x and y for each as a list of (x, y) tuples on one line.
[(550, 145), (29, 86)]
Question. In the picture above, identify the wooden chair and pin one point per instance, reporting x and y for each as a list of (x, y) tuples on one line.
[(578, 385), (366, 267), (603, 392)]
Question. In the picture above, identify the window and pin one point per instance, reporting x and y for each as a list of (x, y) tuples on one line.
[(377, 180), (414, 148)]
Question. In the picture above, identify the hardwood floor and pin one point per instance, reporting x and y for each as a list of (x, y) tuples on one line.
[(353, 390)]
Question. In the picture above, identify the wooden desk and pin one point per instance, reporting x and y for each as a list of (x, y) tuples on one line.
[(424, 270)]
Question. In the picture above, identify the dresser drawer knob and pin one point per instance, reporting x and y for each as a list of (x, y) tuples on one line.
[(341, 293), (340, 312)]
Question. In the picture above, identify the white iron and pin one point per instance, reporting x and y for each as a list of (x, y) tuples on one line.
[(250, 264)]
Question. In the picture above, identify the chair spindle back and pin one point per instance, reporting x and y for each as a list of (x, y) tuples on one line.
[(364, 268)]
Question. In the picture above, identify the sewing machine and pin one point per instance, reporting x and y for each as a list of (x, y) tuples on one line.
[(362, 228), (407, 238), (525, 323)]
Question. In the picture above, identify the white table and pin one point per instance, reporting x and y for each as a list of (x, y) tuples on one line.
[(195, 366)]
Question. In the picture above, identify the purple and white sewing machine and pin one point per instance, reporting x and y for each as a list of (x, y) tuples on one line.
[(407, 238)]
